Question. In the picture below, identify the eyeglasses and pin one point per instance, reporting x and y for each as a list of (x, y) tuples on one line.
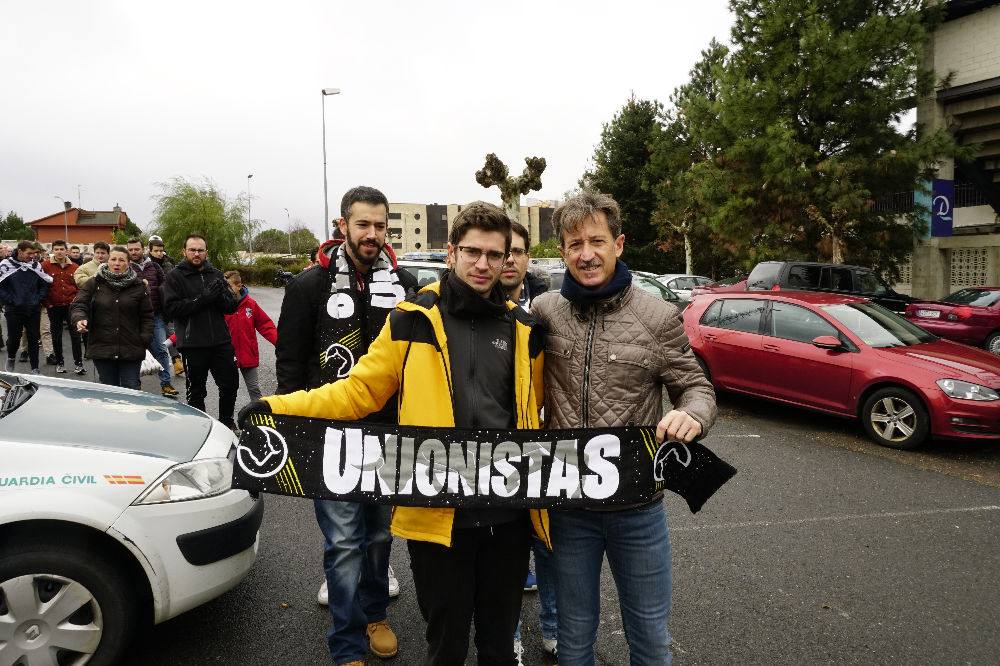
[(195, 250), (517, 252), (472, 255)]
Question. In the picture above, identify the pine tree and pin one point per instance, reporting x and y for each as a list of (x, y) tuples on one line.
[(622, 170)]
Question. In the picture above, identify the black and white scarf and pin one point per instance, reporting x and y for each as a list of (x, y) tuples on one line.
[(118, 281), (10, 265), (354, 312)]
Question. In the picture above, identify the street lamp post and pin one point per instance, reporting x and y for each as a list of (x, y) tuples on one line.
[(65, 218), (289, 216), (326, 199), (249, 225)]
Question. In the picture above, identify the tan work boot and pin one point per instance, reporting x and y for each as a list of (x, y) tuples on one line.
[(381, 640), (178, 366)]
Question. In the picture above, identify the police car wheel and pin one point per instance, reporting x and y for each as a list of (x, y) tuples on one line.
[(65, 603)]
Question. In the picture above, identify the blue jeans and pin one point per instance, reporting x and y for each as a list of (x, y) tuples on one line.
[(118, 373), (158, 349), (637, 544), (356, 561), (547, 617)]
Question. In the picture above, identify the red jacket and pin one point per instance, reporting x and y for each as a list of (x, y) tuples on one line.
[(63, 289), (244, 324)]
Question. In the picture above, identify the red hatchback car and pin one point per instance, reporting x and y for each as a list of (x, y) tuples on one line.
[(850, 357), (969, 315)]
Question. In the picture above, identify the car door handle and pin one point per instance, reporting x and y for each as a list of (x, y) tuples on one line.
[(774, 348), (710, 336)]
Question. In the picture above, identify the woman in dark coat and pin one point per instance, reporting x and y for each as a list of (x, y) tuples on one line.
[(113, 309)]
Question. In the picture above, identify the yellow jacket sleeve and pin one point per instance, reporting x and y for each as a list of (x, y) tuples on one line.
[(373, 381)]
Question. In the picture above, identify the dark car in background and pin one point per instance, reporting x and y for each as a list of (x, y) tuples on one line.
[(847, 356), (832, 278), (970, 316)]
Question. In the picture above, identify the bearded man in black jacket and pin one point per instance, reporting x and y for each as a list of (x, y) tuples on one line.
[(196, 297)]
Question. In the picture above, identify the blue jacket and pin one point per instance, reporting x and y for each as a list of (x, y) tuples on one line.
[(23, 289)]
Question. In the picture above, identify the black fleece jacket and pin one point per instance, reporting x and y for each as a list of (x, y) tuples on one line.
[(196, 300)]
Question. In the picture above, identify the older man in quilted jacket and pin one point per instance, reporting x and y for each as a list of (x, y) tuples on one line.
[(611, 350)]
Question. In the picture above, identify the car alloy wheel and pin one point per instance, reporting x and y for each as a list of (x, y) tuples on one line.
[(895, 417), (48, 618), (993, 344)]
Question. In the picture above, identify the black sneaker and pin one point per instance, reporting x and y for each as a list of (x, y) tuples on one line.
[(79, 369), (60, 369), (23, 356), (51, 360)]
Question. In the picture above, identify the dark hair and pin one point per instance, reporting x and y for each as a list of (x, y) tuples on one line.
[(312, 254), (483, 216), (364, 194), (518, 228), (133, 240), (119, 248), (74, 247), (233, 274), (190, 236), (25, 245), (101, 245), (156, 243), (571, 214), (59, 242)]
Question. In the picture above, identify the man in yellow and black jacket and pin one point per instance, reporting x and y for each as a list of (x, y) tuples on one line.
[(458, 355)]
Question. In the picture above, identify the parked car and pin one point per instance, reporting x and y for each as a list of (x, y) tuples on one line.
[(115, 514), (834, 278), (736, 283), (971, 316), (425, 272), (682, 283), (847, 356), (641, 279)]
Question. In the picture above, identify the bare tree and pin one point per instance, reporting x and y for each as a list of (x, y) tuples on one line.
[(494, 172)]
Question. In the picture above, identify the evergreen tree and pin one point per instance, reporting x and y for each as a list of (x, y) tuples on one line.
[(12, 227), (622, 170), (812, 96)]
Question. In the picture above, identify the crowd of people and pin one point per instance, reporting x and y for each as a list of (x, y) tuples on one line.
[(485, 347)]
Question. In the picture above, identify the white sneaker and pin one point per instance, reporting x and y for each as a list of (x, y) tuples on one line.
[(551, 646), (323, 597), (519, 653), (393, 584)]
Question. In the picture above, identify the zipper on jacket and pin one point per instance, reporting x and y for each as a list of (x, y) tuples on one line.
[(585, 405), (472, 372)]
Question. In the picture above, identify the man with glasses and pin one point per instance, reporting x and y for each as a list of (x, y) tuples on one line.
[(196, 297), (458, 354)]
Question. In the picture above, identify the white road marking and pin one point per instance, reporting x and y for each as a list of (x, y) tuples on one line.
[(834, 519), (734, 436)]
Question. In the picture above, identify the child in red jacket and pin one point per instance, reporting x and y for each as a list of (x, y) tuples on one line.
[(244, 324)]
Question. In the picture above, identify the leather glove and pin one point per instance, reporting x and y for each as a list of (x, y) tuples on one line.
[(258, 406), (217, 288)]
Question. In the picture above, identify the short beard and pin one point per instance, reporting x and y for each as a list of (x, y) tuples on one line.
[(356, 252)]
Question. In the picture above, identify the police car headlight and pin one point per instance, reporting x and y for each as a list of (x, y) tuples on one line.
[(197, 479)]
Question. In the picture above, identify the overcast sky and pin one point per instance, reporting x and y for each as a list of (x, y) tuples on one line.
[(118, 96)]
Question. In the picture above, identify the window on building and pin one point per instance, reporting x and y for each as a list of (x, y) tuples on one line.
[(395, 216), (397, 246), (416, 216), (398, 231), (417, 245)]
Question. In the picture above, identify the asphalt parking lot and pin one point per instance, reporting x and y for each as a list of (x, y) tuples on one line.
[(824, 548)]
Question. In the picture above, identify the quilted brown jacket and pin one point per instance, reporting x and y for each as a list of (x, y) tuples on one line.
[(607, 364)]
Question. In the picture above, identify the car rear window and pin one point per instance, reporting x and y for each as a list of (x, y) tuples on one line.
[(738, 314), (982, 298), (801, 276), (764, 275)]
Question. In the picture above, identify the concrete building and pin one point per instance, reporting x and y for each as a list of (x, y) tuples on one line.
[(84, 226), (415, 227), (966, 48)]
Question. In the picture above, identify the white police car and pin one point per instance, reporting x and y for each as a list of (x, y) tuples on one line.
[(116, 511)]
